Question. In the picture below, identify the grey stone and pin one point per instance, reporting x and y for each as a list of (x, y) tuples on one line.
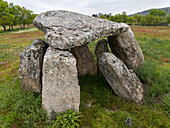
[(64, 29), (85, 60), (60, 89), (101, 46), (123, 81), (30, 68), (126, 48)]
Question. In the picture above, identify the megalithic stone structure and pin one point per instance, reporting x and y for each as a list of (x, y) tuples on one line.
[(67, 35)]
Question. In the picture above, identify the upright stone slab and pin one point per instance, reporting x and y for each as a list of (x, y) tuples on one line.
[(122, 80), (101, 47), (126, 48), (30, 68), (65, 29), (85, 60), (60, 89)]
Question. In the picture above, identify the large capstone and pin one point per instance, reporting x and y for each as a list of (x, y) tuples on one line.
[(30, 68), (123, 81), (64, 29), (126, 48), (60, 89), (85, 60)]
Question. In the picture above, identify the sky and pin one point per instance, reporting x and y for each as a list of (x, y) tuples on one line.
[(90, 7)]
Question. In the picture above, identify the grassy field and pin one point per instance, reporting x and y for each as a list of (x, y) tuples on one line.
[(99, 106)]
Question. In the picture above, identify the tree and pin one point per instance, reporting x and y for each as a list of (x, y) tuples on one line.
[(13, 15), (168, 19), (22, 14), (94, 15), (137, 18), (10, 20), (143, 20), (156, 12), (29, 17), (157, 20), (118, 18), (130, 20), (13, 10), (103, 17), (150, 19), (111, 18), (4, 12), (124, 18), (107, 15)]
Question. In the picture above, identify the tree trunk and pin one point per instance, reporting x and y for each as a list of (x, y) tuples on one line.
[(12, 27), (21, 25), (9, 27), (4, 28)]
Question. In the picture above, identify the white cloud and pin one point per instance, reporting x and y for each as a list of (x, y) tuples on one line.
[(90, 7)]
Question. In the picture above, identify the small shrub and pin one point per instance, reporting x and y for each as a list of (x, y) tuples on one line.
[(67, 119)]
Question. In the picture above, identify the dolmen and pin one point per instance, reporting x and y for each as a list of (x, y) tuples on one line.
[(52, 67)]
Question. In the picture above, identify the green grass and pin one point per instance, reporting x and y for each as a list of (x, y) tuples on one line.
[(156, 80), (157, 49), (99, 105), (20, 109), (108, 110)]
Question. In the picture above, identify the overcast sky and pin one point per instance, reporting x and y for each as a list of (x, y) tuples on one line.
[(90, 7)]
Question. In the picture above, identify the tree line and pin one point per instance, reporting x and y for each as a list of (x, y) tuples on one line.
[(155, 17), (11, 15)]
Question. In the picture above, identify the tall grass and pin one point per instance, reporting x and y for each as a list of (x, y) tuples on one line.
[(156, 80)]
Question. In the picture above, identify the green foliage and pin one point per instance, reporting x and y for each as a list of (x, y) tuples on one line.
[(124, 18), (14, 15), (117, 18), (137, 18), (167, 20), (156, 12), (102, 17), (4, 12), (130, 20), (67, 119), (150, 19), (155, 17)]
